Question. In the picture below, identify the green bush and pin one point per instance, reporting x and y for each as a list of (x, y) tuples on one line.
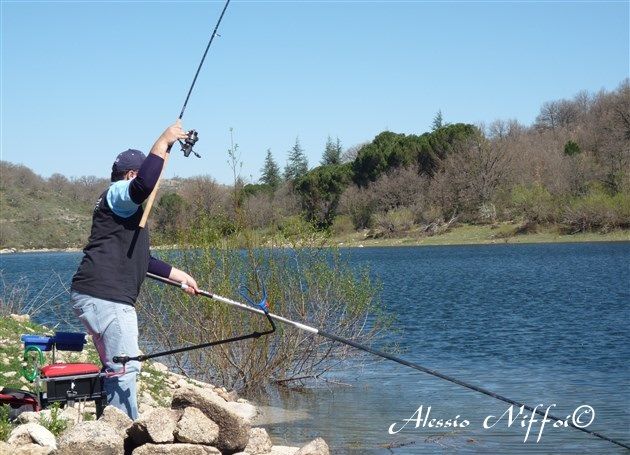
[(363, 216), (313, 285), (320, 190), (294, 228), (597, 211), (55, 423), (395, 221), (5, 425), (342, 225), (533, 203), (207, 229)]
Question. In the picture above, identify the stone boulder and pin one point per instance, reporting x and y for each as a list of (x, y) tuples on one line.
[(157, 425), (244, 409), (157, 366), (22, 318), (315, 447), (176, 449), (32, 433), (70, 414), (233, 429), (90, 438), (116, 419), (32, 416), (28, 449), (195, 427), (259, 442)]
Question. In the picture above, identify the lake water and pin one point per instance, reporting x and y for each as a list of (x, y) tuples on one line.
[(541, 324)]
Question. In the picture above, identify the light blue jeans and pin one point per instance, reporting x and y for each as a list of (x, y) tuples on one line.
[(114, 330)]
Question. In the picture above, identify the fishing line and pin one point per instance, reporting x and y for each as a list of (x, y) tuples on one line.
[(193, 137), (214, 33), (387, 356)]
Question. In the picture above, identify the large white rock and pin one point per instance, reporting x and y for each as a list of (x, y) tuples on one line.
[(146, 398), (259, 442), (116, 419), (71, 415), (90, 438), (176, 449), (315, 447), (20, 317), (157, 366), (195, 427), (30, 433), (28, 449), (181, 383), (31, 416), (157, 425), (233, 429)]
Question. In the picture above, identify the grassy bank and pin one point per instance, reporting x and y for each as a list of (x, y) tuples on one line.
[(11, 350), (459, 235), (479, 235)]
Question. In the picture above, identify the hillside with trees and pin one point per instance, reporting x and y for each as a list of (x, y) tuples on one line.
[(569, 171), (44, 213)]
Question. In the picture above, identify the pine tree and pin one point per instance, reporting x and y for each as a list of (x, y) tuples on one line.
[(438, 121), (297, 164), (571, 148), (270, 171), (332, 152)]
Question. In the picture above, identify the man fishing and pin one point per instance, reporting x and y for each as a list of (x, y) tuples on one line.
[(115, 262)]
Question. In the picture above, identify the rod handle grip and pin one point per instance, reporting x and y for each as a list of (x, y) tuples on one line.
[(120, 359)]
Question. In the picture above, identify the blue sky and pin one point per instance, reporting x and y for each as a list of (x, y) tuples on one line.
[(82, 81)]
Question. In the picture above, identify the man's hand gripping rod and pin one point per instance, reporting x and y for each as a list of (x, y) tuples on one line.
[(260, 306)]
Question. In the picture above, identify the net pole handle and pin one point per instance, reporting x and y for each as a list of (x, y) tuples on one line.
[(147, 209)]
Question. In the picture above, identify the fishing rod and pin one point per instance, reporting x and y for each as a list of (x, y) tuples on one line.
[(193, 137), (384, 355), (261, 305)]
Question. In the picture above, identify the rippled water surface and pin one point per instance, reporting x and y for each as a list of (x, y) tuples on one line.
[(541, 324)]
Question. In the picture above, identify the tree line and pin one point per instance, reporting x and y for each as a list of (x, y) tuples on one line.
[(570, 168)]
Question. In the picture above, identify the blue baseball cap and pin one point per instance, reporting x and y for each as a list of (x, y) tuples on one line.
[(129, 160)]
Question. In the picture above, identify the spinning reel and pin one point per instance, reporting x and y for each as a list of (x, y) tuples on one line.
[(189, 143)]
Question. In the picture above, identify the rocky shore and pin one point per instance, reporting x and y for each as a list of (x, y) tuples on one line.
[(201, 419), (178, 416)]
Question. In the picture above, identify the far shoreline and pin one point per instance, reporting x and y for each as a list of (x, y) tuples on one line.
[(458, 236), (485, 235)]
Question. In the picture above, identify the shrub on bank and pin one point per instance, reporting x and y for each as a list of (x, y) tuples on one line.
[(312, 285), (395, 221), (597, 211), (534, 203)]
